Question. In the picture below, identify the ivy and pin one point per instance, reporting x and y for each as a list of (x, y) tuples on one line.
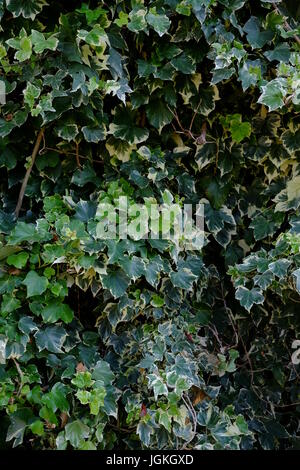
[(141, 342)]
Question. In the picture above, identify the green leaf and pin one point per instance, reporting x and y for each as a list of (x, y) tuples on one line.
[(85, 175), (125, 128), (67, 131), (183, 64), (76, 432), (281, 53), (31, 93), (280, 267), (97, 400), (19, 420), (55, 310), (82, 379), (93, 133), (102, 371), (26, 8), (40, 43), (134, 267), (29, 233), (116, 282), (255, 36), (183, 279), (18, 260), (159, 387), (137, 19), (296, 273), (35, 284), (158, 114), (160, 23), (96, 37), (37, 427), (248, 297), (144, 431), (9, 304), (273, 94), (51, 338)]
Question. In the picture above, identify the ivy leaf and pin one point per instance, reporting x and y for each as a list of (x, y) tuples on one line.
[(93, 133), (29, 233), (280, 267), (240, 130), (27, 325), (144, 431), (102, 371), (37, 427), (85, 175), (159, 387), (26, 8), (291, 140), (116, 282), (85, 210), (137, 19), (19, 420), (18, 260), (40, 43), (264, 280), (134, 267), (183, 64), (281, 53), (9, 304), (67, 131), (160, 23), (96, 37), (55, 311), (255, 36), (296, 273), (76, 432), (31, 93), (158, 114), (35, 284), (183, 279), (51, 338), (124, 128), (6, 127), (273, 94), (266, 224), (248, 297)]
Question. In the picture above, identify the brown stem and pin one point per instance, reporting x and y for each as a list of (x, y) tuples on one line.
[(20, 374), (77, 155), (28, 172)]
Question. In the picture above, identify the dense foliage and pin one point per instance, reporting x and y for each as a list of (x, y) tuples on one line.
[(140, 343)]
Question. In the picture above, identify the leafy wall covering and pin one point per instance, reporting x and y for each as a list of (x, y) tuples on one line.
[(135, 344)]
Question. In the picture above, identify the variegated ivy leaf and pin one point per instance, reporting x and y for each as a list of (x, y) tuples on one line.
[(158, 385), (31, 94), (26, 8), (159, 22), (96, 37), (249, 297), (23, 45), (273, 93), (40, 43), (137, 20), (50, 338), (296, 274), (280, 267), (67, 131), (124, 128)]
